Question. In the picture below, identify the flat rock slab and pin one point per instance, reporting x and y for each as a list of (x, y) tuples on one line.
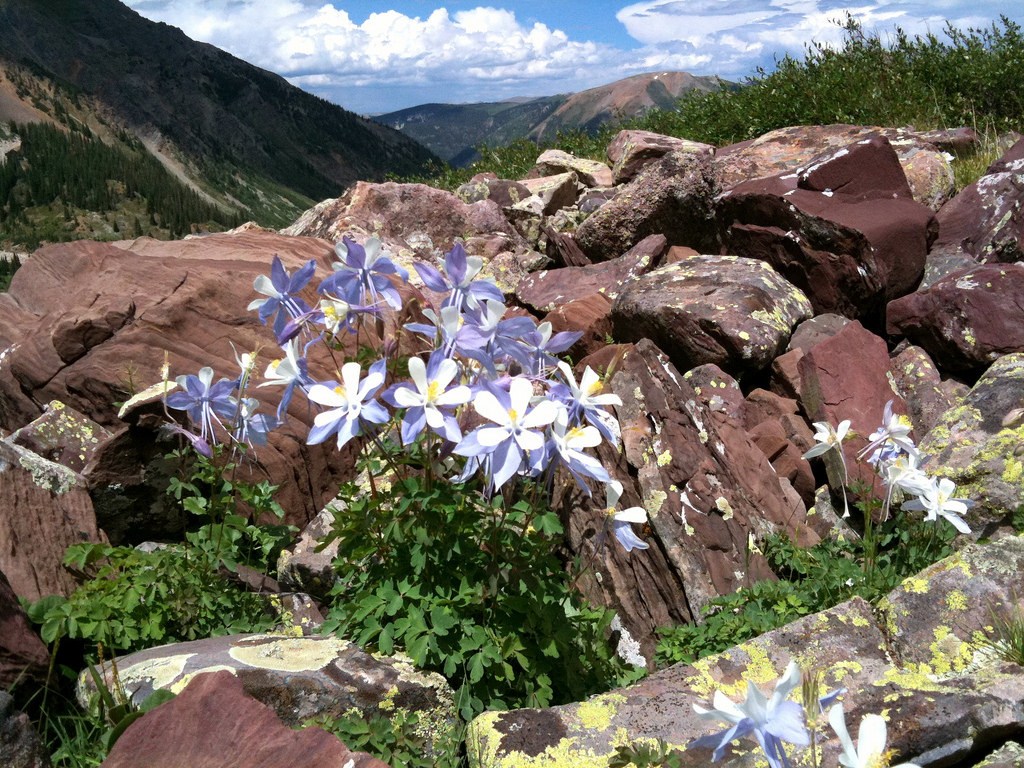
[(298, 677), (212, 723), (733, 312)]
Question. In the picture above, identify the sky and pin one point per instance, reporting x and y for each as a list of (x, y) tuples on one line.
[(376, 57)]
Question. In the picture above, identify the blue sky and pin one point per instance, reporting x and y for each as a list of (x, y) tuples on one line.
[(374, 57)]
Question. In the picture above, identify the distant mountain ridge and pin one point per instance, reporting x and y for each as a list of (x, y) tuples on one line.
[(241, 134), (452, 131)]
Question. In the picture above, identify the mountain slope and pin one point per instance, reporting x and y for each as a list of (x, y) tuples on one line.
[(236, 130), (453, 130)]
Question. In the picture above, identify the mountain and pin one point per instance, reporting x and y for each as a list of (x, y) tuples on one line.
[(453, 131), (239, 136)]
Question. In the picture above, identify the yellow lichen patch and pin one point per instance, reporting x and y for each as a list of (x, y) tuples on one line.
[(160, 672), (564, 754), (664, 458), (654, 503), (759, 670), (724, 507), (289, 654), (916, 585), (912, 678), (949, 652), (956, 601), (1014, 470), (840, 670), (182, 683), (596, 714)]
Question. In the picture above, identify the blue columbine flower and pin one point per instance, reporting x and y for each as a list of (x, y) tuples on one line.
[(461, 286), (621, 521), (281, 291), (771, 721), (431, 398), (205, 403), (350, 404), (364, 273), (289, 372)]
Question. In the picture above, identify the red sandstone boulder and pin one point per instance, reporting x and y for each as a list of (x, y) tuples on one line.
[(984, 221), (591, 316), (83, 316), (23, 657), (590, 172), (545, 291), (632, 150), (706, 488), (212, 723), (968, 319), (44, 509), (671, 197), (844, 230), (787, 150), (736, 313)]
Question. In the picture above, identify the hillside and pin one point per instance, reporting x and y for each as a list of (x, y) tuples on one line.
[(245, 137), (452, 131)]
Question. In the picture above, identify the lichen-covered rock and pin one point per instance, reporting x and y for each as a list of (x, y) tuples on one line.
[(928, 397), (984, 221), (786, 150), (545, 291), (212, 723), (922, 666), (980, 445), (851, 246), (966, 320), (673, 197), (706, 488), (44, 509), (298, 677), (549, 193), (1010, 755), (487, 186), (61, 435), (20, 745), (631, 150), (590, 172), (736, 313)]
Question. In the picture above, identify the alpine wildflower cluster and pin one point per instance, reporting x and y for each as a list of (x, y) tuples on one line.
[(487, 390)]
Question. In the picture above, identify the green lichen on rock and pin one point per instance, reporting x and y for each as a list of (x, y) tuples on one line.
[(47, 475)]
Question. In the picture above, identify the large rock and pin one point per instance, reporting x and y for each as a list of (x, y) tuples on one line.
[(736, 313), (671, 197), (922, 664), (212, 723), (632, 150), (787, 150), (545, 291), (298, 677), (83, 318), (706, 488), (977, 445), (844, 230), (23, 657), (414, 220), (20, 746), (44, 509), (847, 377), (62, 435), (966, 320), (590, 172), (984, 221), (928, 396)]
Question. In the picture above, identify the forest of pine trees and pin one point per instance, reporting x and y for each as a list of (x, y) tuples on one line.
[(74, 170), (7, 269)]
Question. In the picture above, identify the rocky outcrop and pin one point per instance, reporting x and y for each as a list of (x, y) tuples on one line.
[(212, 723), (736, 313), (844, 230), (671, 197), (925, 665), (632, 150), (787, 150)]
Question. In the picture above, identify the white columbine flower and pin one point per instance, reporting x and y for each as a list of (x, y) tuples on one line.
[(869, 751), (937, 501)]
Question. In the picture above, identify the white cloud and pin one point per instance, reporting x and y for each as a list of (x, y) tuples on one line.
[(462, 55)]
